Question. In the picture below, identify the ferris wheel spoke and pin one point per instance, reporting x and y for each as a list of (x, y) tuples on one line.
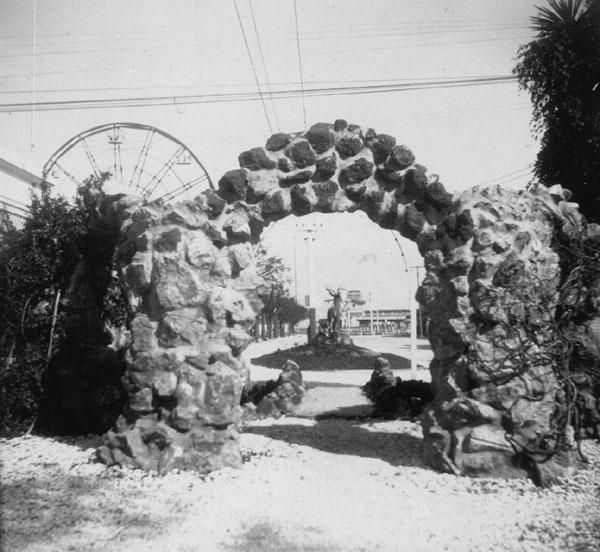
[(141, 160), (115, 140), (67, 174), (120, 164), (91, 158), (185, 186), (162, 172)]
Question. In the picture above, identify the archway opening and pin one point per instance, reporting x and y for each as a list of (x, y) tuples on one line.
[(375, 273)]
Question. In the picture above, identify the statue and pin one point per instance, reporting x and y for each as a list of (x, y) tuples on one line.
[(334, 313)]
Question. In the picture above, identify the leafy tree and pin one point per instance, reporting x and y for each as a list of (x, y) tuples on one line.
[(560, 69), (36, 262), (278, 307), (290, 312)]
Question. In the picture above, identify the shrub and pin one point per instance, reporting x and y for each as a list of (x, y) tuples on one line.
[(36, 264)]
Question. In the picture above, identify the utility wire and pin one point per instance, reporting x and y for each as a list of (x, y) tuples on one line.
[(314, 53), (300, 64), (153, 31), (418, 45), (262, 57), (104, 103), (397, 240), (239, 84), (345, 35), (252, 65), (340, 35), (526, 169), (519, 176)]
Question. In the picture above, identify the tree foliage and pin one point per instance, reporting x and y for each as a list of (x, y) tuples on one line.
[(275, 297), (560, 69), (36, 262)]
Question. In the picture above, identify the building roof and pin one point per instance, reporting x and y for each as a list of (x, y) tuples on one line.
[(21, 169)]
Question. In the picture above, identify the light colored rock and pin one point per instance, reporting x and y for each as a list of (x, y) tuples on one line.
[(165, 384)]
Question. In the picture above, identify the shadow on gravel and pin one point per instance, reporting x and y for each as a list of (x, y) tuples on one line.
[(356, 412), (65, 512), (267, 537), (82, 442), (398, 449)]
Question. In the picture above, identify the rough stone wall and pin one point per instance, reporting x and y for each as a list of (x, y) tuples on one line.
[(274, 398), (190, 279), (490, 291)]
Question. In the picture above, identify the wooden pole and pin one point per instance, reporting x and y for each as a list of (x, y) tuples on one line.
[(53, 325), (413, 330)]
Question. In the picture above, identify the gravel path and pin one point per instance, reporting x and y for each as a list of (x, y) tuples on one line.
[(306, 485)]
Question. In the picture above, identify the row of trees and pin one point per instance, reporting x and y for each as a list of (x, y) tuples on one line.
[(280, 311)]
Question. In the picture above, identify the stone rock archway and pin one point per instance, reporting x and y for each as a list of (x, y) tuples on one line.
[(489, 291)]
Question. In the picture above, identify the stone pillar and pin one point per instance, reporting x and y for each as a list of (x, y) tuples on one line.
[(191, 286), (491, 292)]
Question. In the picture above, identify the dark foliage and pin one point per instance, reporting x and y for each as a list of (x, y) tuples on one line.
[(278, 307), (577, 318), (393, 397), (256, 391), (36, 265), (82, 390), (560, 69), (403, 399)]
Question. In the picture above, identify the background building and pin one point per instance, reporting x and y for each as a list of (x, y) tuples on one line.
[(18, 180)]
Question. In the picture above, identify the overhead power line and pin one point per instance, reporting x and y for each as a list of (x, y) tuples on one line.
[(525, 171), (136, 46), (264, 65), (360, 50), (238, 84), (518, 177), (260, 94), (300, 64), (106, 103), (420, 45), (154, 32)]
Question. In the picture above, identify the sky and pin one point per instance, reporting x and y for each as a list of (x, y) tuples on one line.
[(55, 50)]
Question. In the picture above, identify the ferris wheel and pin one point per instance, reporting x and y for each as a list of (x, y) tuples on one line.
[(140, 159)]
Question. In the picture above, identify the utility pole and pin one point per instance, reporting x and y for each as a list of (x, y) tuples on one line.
[(309, 237), (295, 270), (413, 322), (371, 314)]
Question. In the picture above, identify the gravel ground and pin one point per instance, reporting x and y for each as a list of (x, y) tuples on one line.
[(306, 485)]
